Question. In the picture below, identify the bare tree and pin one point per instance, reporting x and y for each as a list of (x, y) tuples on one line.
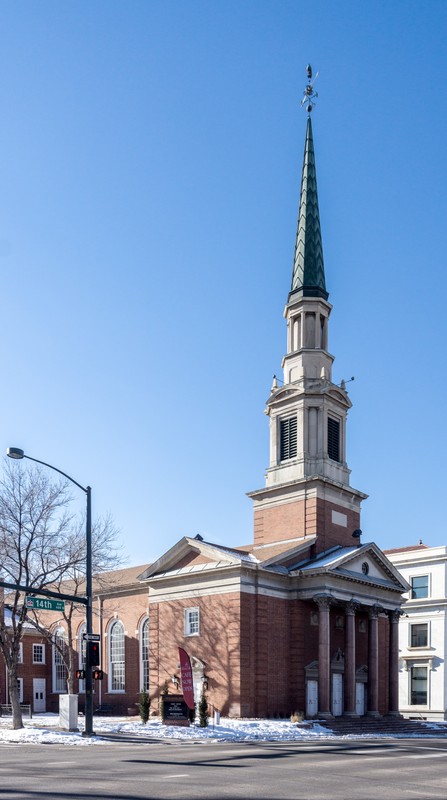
[(42, 546), (105, 556), (34, 523)]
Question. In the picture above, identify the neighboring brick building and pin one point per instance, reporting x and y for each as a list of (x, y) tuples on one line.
[(305, 617)]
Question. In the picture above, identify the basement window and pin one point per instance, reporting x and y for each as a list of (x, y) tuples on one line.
[(333, 438), (288, 438)]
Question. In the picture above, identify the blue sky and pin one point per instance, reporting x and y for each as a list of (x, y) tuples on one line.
[(150, 164)]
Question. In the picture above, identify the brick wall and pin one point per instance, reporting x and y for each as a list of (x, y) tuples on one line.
[(218, 646), (298, 518)]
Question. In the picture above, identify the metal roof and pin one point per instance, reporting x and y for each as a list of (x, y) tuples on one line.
[(308, 266)]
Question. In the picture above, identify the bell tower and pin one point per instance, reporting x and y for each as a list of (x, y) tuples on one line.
[(307, 491)]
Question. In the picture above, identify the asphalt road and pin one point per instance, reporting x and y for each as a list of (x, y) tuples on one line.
[(412, 769)]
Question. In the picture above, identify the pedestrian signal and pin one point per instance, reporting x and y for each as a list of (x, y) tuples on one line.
[(80, 674), (98, 674), (93, 648)]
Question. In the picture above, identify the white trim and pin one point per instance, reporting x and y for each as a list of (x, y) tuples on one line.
[(58, 633), (420, 575), (190, 623), (42, 648), (418, 647), (110, 671), (144, 643)]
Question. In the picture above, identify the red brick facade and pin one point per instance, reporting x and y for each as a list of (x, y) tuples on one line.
[(305, 517)]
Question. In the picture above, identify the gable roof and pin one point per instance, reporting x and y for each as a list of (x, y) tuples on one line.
[(215, 555), (347, 562)]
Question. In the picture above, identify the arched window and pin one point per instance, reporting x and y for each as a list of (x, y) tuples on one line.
[(82, 645), (59, 668), (144, 655), (116, 657)]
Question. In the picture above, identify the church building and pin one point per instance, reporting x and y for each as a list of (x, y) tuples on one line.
[(306, 616)]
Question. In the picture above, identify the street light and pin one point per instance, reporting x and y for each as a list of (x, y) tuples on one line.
[(15, 452)]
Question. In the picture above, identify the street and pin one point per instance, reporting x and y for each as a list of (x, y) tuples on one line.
[(339, 770)]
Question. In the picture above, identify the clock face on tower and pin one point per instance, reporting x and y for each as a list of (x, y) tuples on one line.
[(365, 567)]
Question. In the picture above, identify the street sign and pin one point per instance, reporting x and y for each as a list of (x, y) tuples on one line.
[(91, 637), (45, 603)]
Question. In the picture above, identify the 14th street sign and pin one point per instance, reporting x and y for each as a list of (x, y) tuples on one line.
[(45, 603)]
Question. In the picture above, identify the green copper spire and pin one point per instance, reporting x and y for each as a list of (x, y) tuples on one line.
[(308, 267)]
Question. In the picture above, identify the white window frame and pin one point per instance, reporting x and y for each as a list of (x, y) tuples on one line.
[(192, 626), (116, 666), (42, 650), (144, 655), (20, 654), (417, 665), (20, 685), (58, 665), (420, 646), (420, 575)]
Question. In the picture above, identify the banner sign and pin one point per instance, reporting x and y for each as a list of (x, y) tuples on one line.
[(186, 673)]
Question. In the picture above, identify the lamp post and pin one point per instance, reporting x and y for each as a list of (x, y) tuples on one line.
[(15, 452)]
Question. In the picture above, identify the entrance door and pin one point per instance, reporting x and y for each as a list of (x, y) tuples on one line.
[(39, 695), (311, 698), (360, 699), (337, 694)]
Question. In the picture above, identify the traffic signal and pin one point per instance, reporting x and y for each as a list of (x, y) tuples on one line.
[(98, 674), (93, 653), (80, 674)]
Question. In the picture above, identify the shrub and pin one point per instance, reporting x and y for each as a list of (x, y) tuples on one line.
[(144, 706), (297, 716), (164, 691), (203, 710)]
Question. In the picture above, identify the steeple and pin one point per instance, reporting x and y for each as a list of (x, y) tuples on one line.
[(307, 489), (308, 267)]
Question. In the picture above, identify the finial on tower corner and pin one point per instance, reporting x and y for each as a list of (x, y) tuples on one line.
[(309, 94)]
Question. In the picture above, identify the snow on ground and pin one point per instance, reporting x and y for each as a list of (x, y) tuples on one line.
[(45, 729)]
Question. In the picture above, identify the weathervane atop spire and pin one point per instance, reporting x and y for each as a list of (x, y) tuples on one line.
[(309, 93)]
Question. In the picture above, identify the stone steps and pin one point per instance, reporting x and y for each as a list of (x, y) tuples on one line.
[(391, 726)]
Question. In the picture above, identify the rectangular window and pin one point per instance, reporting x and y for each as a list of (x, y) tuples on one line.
[(333, 438), (419, 635), (20, 654), (192, 622), (288, 438), (20, 688), (419, 686), (38, 654), (419, 587)]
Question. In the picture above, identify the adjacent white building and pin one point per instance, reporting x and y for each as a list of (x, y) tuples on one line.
[(423, 631)]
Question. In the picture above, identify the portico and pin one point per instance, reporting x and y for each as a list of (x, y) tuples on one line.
[(357, 594)]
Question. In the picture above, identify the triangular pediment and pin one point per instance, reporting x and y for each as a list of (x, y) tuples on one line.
[(365, 564), (371, 563), (189, 553)]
